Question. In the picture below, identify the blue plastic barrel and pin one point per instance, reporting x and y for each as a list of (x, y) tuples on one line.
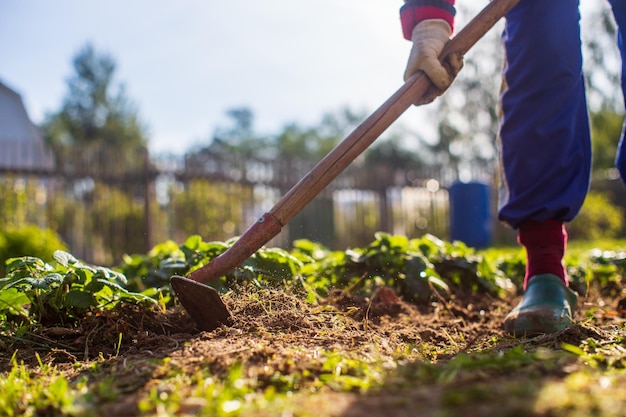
[(470, 213)]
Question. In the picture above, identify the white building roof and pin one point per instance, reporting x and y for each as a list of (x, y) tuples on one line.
[(21, 144)]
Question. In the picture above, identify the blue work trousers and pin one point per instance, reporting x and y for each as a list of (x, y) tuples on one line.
[(544, 141)]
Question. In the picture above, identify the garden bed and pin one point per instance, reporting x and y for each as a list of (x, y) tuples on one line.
[(349, 353)]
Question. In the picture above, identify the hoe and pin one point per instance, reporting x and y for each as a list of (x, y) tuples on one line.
[(202, 302)]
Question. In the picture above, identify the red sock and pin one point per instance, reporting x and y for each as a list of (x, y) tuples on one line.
[(545, 244)]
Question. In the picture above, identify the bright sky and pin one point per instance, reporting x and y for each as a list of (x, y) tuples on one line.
[(186, 62)]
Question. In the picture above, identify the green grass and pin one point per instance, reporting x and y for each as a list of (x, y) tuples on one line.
[(28, 391), (583, 380)]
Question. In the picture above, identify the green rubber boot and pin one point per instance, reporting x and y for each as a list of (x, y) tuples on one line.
[(547, 307)]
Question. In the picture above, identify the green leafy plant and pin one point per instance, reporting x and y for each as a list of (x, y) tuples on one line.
[(266, 267), (415, 268), (65, 292), (154, 269)]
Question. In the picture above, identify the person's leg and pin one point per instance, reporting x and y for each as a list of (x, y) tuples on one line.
[(544, 137), (545, 151), (619, 11)]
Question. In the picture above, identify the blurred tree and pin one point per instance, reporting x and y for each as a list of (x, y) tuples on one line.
[(599, 218), (391, 152), (240, 139), (95, 110), (294, 141), (236, 142), (314, 142), (602, 71), (602, 65), (100, 143), (606, 127)]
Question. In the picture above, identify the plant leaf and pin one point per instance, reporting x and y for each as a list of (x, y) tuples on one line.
[(13, 302), (26, 261), (64, 258), (80, 299)]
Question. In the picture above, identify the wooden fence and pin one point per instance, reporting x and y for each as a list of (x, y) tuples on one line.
[(106, 204)]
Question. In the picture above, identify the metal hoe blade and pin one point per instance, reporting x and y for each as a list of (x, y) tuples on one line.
[(202, 303)]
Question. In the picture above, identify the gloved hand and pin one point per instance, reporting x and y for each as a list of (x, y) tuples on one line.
[(429, 37)]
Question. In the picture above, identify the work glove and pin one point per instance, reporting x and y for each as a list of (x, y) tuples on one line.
[(429, 37)]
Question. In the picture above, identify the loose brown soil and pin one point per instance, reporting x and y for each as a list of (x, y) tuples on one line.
[(278, 331)]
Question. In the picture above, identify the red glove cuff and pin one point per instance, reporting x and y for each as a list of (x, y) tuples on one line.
[(415, 11)]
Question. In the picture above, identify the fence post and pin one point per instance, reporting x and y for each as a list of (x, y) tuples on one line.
[(148, 184)]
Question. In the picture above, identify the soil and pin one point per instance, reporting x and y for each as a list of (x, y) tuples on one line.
[(270, 323)]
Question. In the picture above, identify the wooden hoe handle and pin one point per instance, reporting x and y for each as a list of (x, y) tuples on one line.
[(417, 86)]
